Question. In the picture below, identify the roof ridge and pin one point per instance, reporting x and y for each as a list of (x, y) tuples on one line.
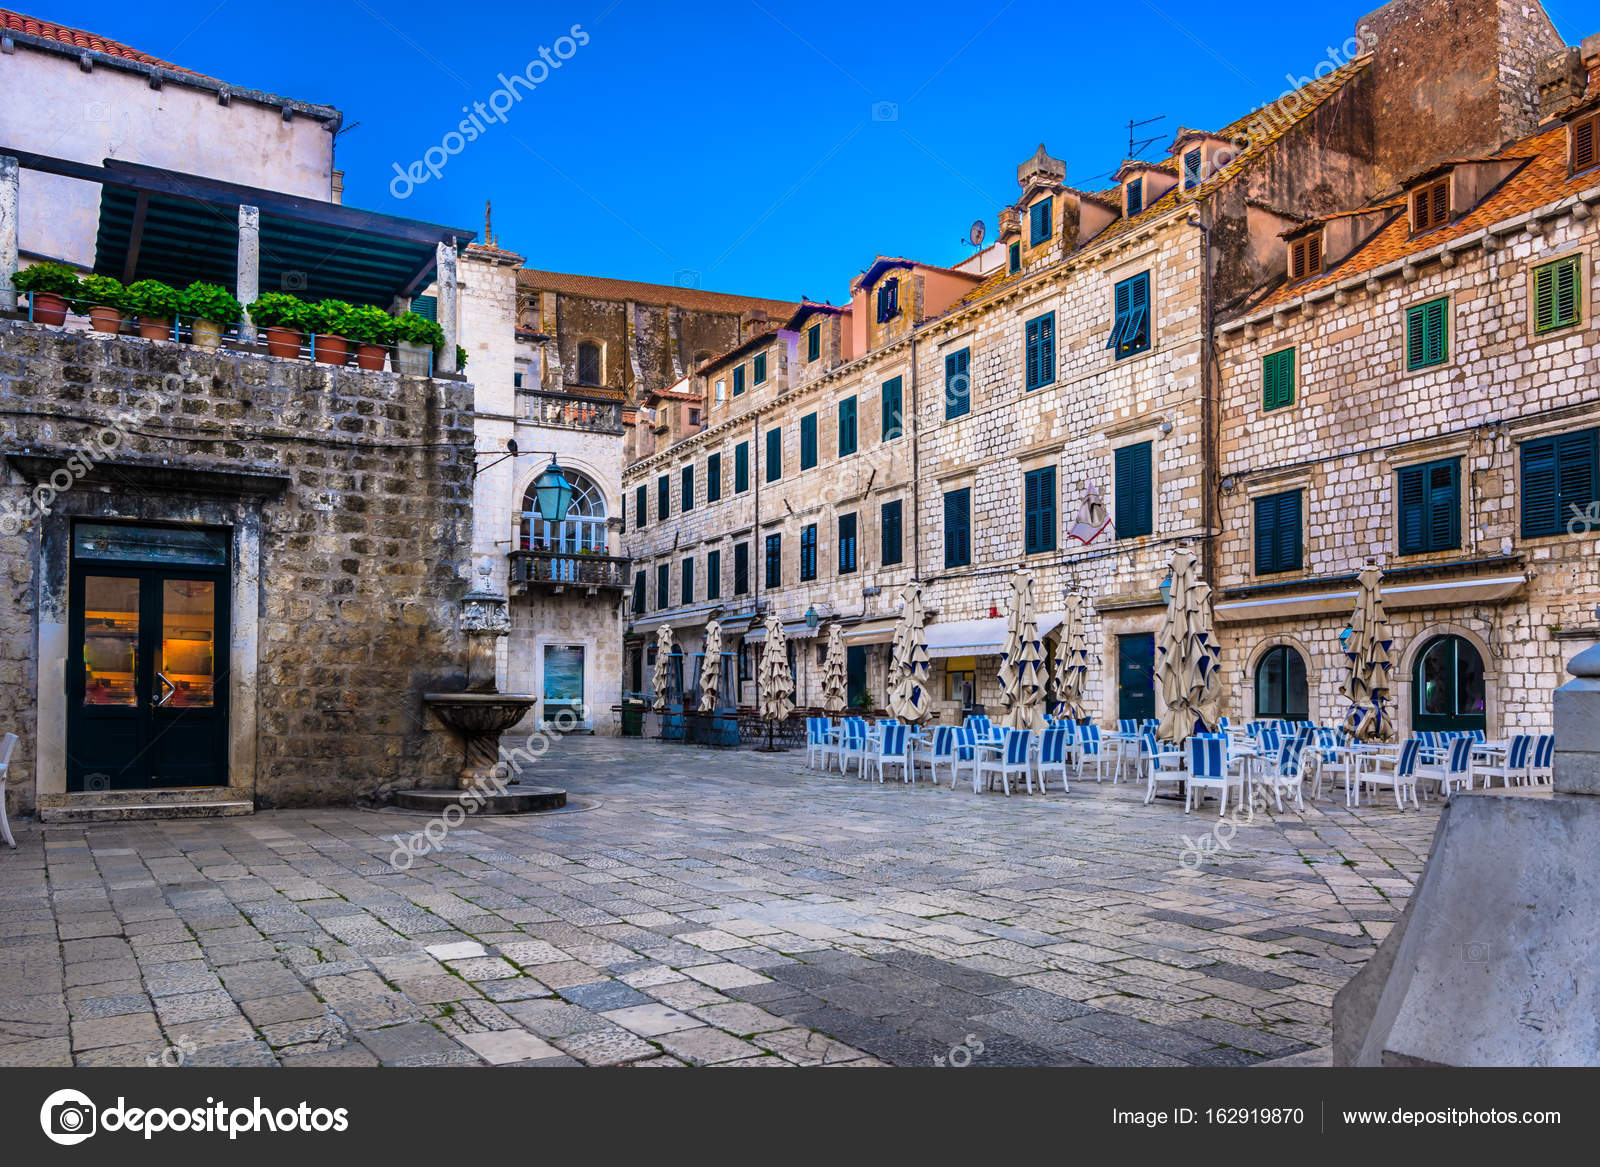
[(80, 38)]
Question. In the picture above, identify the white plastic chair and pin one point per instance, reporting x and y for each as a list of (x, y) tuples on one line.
[(892, 751), (819, 742), (1053, 754), (1388, 770), (7, 744), (1090, 746), (1513, 768), (1011, 759), (1454, 771), (1160, 766), (1541, 771), (1209, 770), (852, 743), (1287, 773)]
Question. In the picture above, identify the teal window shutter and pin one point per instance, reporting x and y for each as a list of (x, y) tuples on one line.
[(1041, 222), (1130, 332), (774, 454), (1412, 492), (638, 592), (426, 306), (1560, 482), (1277, 531), (1014, 258), (847, 426), (847, 544), (1191, 169), (814, 342), (688, 488), (889, 532), (713, 477), (1429, 507), (1039, 510), (957, 383), (1277, 379), (774, 561), (958, 528), (688, 582), (663, 497), (663, 587), (713, 575), (1132, 483), (1039, 344), (759, 370), (808, 441), (808, 552), (892, 420), (738, 380), (641, 498), (1135, 196), (741, 569), (1428, 334), (741, 468)]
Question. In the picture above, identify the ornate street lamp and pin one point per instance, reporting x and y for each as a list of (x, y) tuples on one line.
[(1166, 589), (552, 493), (812, 619)]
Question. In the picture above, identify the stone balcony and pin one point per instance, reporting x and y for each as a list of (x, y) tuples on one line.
[(556, 571), (597, 415)]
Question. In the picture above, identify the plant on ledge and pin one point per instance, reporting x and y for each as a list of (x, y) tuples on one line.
[(156, 305), (373, 331), (461, 358), (49, 286), (210, 309), (417, 337), (284, 317), (331, 321), (104, 299)]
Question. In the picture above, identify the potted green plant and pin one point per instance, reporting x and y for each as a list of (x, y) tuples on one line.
[(210, 309), (417, 337), (461, 358), (102, 297), (330, 325), (283, 319), (373, 331), (49, 286), (156, 305)]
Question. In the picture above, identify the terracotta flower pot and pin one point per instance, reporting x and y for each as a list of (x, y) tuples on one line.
[(103, 319), (155, 328), (370, 357), (330, 350), (49, 308), (283, 342), (206, 333)]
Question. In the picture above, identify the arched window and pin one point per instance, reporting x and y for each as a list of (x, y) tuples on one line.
[(589, 371), (1447, 686), (1281, 685), (584, 528)]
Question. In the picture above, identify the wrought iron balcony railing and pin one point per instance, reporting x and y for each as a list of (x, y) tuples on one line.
[(563, 569)]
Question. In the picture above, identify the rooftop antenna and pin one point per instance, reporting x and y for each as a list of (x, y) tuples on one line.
[(1136, 146)]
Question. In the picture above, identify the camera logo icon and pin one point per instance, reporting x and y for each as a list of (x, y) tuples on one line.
[(686, 278), (885, 111), (294, 281), (96, 111), (68, 1117)]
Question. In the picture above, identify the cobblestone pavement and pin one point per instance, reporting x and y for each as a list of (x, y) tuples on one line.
[(709, 908)]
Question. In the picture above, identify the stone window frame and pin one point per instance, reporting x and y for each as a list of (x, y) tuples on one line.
[(1519, 435), (1452, 337), (1561, 335), (1266, 488), (1148, 260), (1146, 429), (577, 360), (967, 339), (1299, 380)]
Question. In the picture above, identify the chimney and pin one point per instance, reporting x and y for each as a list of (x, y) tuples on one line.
[(1562, 79), (338, 186)]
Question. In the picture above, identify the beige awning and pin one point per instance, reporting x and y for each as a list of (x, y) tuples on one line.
[(872, 631), (978, 637), (793, 629), (1441, 593)]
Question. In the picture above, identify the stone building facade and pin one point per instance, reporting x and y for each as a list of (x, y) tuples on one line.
[(1425, 399)]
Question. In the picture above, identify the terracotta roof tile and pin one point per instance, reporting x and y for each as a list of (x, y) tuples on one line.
[(603, 288), (79, 39)]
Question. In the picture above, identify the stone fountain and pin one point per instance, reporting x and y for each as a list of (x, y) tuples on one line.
[(478, 716)]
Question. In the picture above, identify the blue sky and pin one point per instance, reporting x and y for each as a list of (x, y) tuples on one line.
[(745, 146)]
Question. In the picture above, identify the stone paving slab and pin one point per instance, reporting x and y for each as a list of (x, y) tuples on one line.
[(711, 909)]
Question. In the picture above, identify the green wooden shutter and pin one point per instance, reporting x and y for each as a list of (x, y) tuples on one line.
[(774, 454), (738, 380), (1277, 380), (741, 467), (713, 575), (1132, 480), (1277, 532), (1039, 344), (663, 497), (957, 384), (1427, 334), (688, 582), (813, 342), (1444, 506), (1135, 197), (847, 426), (713, 477), (808, 551), (741, 569), (426, 306), (889, 530), (663, 586), (847, 543), (688, 489), (1560, 481), (641, 498), (1558, 294), (1014, 258), (1288, 552), (891, 409), (759, 370), (1411, 486), (638, 591), (957, 528), (1039, 510), (808, 441)]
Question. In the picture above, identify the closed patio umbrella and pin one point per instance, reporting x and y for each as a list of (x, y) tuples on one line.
[(658, 681), (1072, 662), (834, 682), (1022, 661), (1187, 655), (711, 668), (777, 682), (909, 699), (1369, 648)]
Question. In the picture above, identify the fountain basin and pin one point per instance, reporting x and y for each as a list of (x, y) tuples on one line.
[(482, 786)]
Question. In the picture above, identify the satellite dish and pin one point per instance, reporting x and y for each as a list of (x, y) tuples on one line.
[(976, 233)]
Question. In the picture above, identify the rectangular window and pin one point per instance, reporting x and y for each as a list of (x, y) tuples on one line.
[(663, 497), (1428, 333), (958, 527), (687, 493), (758, 372), (1134, 515), (814, 342), (774, 454), (1135, 196), (1430, 206), (638, 592), (738, 381), (741, 468), (1429, 507), (1585, 147), (722, 390), (641, 503), (1039, 510), (1558, 294), (1278, 533), (1014, 258), (847, 426), (774, 561), (1191, 169), (663, 586), (808, 552), (1277, 379), (847, 544), (688, 582), (889, 533), (1041, 224), (741, 569), (1305, 256), (1560, 482), (888, 300), (1131, 331), (808, 441), (713, 477), (957, 383), (1040, 350), (891, 409), (713, 575)]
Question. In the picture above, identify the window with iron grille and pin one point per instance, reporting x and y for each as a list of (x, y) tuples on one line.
[(774, 561), (1560, 483), (1130, 332), (1040, 351), (1039, 510), (888, 300), (588, 364), (1558, 294), (958, 527), (889, 533), (713, 575), (1586, 144), (1430, 205), (847, 544), (957, 383), (1429, 506), (808, 552), (1277, 379), (1041, 223), (1305, 256), (713, 477), (1428, 333), (814, 342), (1278, 532), (741, 569)]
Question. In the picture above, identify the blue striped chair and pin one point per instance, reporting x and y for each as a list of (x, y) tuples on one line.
[(964, 754), (1209, 770), (1128, 725), (1090, 746), (1514, 769), (1011, 760), (933, 750), (1399, 772), (852, 743), (1541, 771), (892, 751), (1286, 773), (1453, 771), (1270, 741), (980, 725), (1161, 764), (1054, 750), (819, 741)]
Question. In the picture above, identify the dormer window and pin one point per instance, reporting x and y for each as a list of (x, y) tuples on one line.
[(1135, 197), (888, 300), (1014, 258), (1040, 224), (1430, 205), (1305, 256), (1191, 169), (1585, 147)]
